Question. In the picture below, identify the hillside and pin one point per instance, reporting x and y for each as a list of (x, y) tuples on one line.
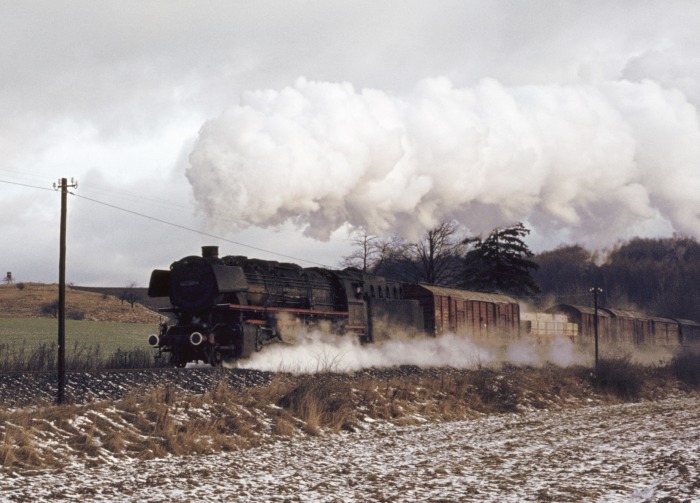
[(39, 300)]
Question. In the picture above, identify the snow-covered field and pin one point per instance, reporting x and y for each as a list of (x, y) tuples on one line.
[(647, 451)]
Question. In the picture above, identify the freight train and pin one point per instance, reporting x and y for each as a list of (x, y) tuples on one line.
[(226, 308)]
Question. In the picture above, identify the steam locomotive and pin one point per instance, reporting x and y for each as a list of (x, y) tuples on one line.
[(226, 308)]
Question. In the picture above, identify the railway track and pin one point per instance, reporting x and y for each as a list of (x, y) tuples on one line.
[(82, 386), (155, 370)]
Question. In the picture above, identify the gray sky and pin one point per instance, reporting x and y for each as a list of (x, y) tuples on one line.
[(285, 125)]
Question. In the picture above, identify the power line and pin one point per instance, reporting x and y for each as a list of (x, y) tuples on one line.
[(203, 233), (179, 226), (26, 185)]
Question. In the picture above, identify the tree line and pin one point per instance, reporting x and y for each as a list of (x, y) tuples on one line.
[(659, 276), (500, 262)]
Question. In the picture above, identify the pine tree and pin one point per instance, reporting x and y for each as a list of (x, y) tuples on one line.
[(500, 263)]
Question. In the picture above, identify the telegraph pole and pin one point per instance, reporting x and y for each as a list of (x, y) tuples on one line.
[(63, 186), (596, 291)]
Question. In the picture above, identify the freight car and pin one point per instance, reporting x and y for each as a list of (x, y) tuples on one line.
[(461, 311), (627, 328)]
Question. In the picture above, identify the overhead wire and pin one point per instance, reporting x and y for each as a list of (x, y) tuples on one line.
[(26, 185), (204, 233), (172, 224), (197, 231)]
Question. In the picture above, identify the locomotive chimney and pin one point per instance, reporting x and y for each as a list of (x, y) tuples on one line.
[(210, 252)]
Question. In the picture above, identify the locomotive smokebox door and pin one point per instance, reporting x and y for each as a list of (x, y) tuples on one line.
[(159, 286)]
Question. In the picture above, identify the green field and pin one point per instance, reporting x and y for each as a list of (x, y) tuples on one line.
[(24, 341), (110, 336)]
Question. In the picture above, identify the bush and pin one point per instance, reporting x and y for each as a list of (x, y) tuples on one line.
[(75, 314), (619, 376), (321, 401), (50, 308), (685, 367), (21, 358), (495, 391), (132, 359), (44, 358)]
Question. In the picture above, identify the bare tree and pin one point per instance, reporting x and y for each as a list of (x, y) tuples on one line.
[(435, 259), (129, 294), (365, 253), (438, 256)]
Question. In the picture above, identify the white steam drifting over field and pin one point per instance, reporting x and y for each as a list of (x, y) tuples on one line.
[(596, 159), (316, 351)]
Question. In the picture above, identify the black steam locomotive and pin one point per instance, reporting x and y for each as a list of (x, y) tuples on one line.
[(226, 308)]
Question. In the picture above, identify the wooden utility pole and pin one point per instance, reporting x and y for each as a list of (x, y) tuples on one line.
[(595, 291), (63, 186)]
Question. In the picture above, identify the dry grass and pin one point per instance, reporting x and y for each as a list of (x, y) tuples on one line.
[(686, 368), (620, 377), (79, 356), (34, 299), (167, 420), (319, 402)]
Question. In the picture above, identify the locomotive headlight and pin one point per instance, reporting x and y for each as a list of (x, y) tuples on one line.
[(196, 338), (154, 340)]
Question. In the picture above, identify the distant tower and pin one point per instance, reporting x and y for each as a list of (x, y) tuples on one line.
[(8, 278)]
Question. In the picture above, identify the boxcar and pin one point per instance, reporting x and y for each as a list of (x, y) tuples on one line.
[(688, 332), (630, 327), (544, 327), (665, 331), (584, 317), (447, 310)]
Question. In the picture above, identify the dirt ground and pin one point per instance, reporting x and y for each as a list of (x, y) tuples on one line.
[(30, 301), (638, 452)]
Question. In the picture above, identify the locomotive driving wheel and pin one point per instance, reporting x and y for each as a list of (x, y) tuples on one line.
[(215, 357)]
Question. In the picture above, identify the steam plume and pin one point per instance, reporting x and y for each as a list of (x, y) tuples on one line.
[(594, 160), (316, 352)]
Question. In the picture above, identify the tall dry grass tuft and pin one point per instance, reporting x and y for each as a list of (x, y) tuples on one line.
[(685, 367), (80, 356), (21, 445), (137, 358), (322, 401), (22, 358), (283, 426), (493, 391), (620, 377)]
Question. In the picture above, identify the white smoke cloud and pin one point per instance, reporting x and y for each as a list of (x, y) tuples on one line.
[(595, 160), (318, 352)]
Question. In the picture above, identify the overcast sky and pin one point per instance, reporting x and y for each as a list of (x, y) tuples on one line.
[(283, 126)]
